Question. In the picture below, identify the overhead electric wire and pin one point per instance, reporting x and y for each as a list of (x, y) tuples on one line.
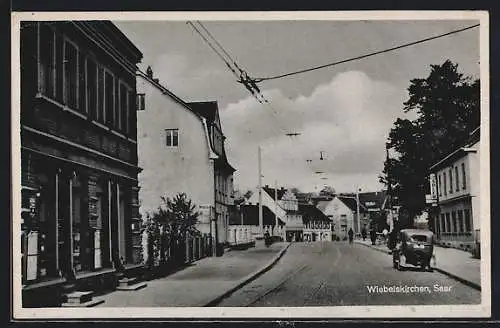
[(254, 90), (262, 79)]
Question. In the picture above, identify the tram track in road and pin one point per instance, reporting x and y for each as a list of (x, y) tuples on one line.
[(294, 273), (325, 281)]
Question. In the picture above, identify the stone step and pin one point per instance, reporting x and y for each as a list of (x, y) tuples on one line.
[(79, 297), (136, 286), (90, 303), (127, 281), (69, 287)]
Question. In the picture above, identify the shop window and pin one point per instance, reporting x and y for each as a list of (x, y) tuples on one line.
[(76, 212), (454, 220), (468, 225), (460, 221)]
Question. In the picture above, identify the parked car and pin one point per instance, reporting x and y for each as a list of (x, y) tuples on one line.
[(414, 247)]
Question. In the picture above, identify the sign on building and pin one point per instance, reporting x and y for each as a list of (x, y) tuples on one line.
[(433, 185)]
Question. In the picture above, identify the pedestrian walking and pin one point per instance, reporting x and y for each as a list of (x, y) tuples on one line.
[(363, 233), (351, 235)]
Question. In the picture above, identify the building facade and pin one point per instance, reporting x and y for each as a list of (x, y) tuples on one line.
[(272, 204), (223, 171), (294, 226), (80, 217), (343, 213), (457, 175), (317, 226), (181, 151)]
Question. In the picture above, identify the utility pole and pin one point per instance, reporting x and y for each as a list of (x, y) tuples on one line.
[(261, 221), (357, 209), (275, 205)]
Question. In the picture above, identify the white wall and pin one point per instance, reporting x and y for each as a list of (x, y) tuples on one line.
[(269, 202), (335, 209), (168, 171)]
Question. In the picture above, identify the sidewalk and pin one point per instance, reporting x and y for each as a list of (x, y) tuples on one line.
[(452, 262), (205, 282)]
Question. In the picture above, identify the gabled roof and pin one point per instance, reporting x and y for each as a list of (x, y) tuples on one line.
[(352, 204), (270, 192), (373, 200), (207, 109), (251, 216), (322, 205), (311, 212)]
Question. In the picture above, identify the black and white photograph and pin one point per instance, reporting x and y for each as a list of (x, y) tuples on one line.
[(250, 165)]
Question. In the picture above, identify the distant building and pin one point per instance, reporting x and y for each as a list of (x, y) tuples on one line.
[(317, 226), (181, 149), (342, 210), (268, 200), (458, 191)]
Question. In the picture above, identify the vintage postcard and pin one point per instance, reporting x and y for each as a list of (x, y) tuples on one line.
[(251, 165)]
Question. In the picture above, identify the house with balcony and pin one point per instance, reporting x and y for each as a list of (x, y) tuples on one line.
[(181, 150), (458, 190), (80, 222)]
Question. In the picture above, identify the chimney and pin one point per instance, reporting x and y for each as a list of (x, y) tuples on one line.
[(149, 72)]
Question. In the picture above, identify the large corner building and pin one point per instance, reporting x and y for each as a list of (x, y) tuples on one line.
[(80, 219)]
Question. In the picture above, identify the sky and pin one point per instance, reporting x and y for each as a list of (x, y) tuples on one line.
[(343, 112)]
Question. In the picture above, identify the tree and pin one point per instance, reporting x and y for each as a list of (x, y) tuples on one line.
[(168, 228), (447, 108), (328, 191)]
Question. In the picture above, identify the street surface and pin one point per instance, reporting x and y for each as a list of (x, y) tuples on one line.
[(338, 273)]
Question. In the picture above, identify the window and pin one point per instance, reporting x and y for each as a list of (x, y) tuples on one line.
[(172, 137), (123, 108), (71, 74), (442, 223), (444, 183), (464, 183), (47, 61), (467, 220), (82, 83), (141, 101), (460, 221), (92, 106), (100, 95), (451, 181), (439, 184), (454, 220), (109, 98), (448, 222), (457, 183)]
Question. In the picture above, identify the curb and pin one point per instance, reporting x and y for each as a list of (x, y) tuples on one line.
[(252, 276), (460, 279), (447, 273)]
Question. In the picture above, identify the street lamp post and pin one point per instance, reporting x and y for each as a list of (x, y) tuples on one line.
[(261, 221)]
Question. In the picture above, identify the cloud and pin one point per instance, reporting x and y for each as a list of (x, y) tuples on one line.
[(348, 119)]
